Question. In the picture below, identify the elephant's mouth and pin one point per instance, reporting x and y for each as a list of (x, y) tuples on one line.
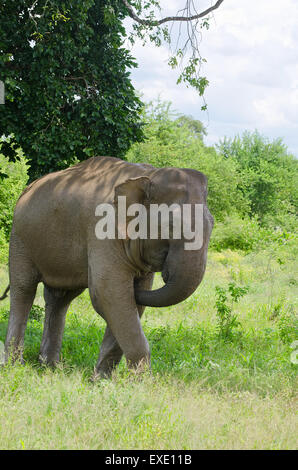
[(156, 256), (165, 275)]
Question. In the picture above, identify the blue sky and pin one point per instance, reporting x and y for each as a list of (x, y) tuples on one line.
[(252, 65)]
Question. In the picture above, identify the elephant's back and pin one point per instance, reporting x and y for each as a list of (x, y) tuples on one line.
[(95, 177), (56, 213)]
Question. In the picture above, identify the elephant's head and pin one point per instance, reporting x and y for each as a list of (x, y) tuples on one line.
[(182, 269)]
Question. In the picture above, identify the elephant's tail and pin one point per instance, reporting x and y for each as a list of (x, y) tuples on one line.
[(5, 293)]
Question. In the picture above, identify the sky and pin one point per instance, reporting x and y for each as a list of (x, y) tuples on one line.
[(251, 49)]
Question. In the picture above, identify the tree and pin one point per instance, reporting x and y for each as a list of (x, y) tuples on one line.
[(172, 142), (183, 44), (186, 14), (68, 91), (267, 178), (195, 127), (66, 73)]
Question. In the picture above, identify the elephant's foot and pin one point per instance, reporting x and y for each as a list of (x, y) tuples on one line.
[(100, 375), (13, 354), (48, 359)]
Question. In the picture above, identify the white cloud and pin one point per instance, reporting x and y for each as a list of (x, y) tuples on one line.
[(251, 49)]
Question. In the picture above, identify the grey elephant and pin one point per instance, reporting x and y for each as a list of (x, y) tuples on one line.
[(53, 241)]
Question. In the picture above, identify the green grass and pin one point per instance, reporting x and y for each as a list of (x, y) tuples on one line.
[(203, 392)]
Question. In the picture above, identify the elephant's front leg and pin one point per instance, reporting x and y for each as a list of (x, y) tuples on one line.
[(114, 299), (110, 355), (110, 351)]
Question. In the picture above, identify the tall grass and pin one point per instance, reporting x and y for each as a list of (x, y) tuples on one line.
[(204, 391)]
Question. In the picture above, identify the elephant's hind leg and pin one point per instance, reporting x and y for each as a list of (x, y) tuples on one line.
[(23, 283), (57, 302)]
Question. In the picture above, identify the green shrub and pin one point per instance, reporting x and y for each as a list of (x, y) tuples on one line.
[(227, 321), (172, 142), (246, 234), (248, 176), (237, 233), (13, 179), (37, 313), (287, 325), (267, 178), (3, 247)]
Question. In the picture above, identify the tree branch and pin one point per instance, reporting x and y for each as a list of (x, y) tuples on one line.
[(135, 17)]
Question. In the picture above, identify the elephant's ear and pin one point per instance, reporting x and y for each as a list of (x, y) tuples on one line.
[(136, 191)]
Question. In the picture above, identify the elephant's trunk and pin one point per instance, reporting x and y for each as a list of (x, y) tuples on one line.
[(179, 286), (181, 280), (182, 272)]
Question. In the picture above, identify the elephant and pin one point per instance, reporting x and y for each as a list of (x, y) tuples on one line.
[(53, 241)]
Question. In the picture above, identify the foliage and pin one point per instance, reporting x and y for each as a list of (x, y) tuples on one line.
[(267, 178), (252, 182), (13, 179), (183, 41), (239, 233), (66, 75), (3, 247), (170, 140), (195, 127), (37, 313), (287, 325), (227, 321)]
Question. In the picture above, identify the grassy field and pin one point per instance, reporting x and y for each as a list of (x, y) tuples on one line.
[(205, 391)]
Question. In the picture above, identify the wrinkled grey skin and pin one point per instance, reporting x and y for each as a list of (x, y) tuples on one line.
[(53, 241)]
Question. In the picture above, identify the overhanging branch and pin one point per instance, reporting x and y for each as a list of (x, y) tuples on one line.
[(143, 22)]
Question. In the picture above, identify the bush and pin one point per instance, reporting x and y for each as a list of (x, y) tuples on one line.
[(287, 325), (173, 142), (237, 233), (13, 179), (3, 247), (267, 178), (227, 321), (251, 182)]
